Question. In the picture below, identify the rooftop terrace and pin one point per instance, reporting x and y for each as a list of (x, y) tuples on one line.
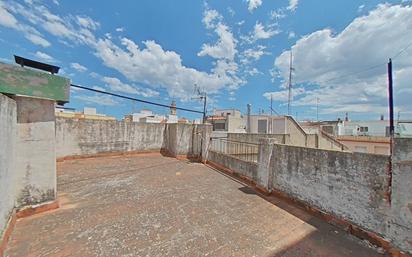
[(150, 205)]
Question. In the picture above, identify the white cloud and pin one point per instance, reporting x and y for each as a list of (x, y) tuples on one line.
[(277, 14), (75, 28), (116, 85), (154, 66), (361, 7), (99, 88), (253, 4), (87, 22), (97, 99), (323, 58), (149, 65), (293, 4), (291, 35), (224, 48), (44, 56), (261, 33), (283, 95), (120, 29), (211, 18), (37, 40), (8, 20), (78, 67), (253, 54)]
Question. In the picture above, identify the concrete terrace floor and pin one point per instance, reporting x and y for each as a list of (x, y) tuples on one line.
[(150, 205)]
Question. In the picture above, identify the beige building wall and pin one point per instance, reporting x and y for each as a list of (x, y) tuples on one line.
[(364, 144)]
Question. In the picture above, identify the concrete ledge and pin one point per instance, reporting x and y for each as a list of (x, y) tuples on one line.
[(335, 221), (7, 233), (107, 154), (36, 209)]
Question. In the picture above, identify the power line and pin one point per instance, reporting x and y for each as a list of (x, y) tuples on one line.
[(402, 50), (134, 99), (355, 73)]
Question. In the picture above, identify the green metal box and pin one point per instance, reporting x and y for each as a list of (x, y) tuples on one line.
[(18, 80)]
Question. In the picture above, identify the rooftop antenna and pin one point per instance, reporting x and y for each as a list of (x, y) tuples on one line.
[(202, 95), (290, 83)]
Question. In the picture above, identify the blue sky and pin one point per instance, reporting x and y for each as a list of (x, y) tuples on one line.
[(236, 51)]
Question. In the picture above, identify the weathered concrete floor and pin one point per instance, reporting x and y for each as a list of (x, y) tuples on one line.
[(158, 206)]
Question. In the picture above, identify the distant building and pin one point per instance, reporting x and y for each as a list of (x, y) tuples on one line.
[(227, 120), (289, 131), (366, 144), (87, 114)]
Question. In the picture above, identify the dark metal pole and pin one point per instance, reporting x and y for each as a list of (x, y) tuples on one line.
[(204, 108), (390, 90)]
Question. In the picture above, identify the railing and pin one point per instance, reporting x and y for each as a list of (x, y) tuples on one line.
[(240, 150)]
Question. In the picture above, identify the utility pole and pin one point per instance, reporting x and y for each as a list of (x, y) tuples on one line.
[(202, 96), (290, 83), (317, 109), (390, 91), (271, 105)]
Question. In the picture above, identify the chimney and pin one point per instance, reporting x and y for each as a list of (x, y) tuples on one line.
[(249, 106)]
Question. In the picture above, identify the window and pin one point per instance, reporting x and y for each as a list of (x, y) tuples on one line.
[(262, 126), (363, 129), (219, 126)]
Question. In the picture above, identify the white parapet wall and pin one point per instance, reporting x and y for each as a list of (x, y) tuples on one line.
[(8, 118)]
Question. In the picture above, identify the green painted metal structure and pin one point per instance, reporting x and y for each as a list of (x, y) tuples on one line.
[(18, 80)]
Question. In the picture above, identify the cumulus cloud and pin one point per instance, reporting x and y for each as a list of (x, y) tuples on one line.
[(44, 57), (331, 62), (253, 4), (148, 64), (152, 65), (78, 67), (224, 48), (211, 18), (261, 33)]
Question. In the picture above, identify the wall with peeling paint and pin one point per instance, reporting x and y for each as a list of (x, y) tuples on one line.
[(8, 120), (351, 186), (35, 159), (75, 137), (355, 187)]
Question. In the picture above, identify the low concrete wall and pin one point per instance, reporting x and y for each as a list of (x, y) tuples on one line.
[(8, 121), (356, 187), (351, 186), (244, 168), (88, 137), (75, 137)]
